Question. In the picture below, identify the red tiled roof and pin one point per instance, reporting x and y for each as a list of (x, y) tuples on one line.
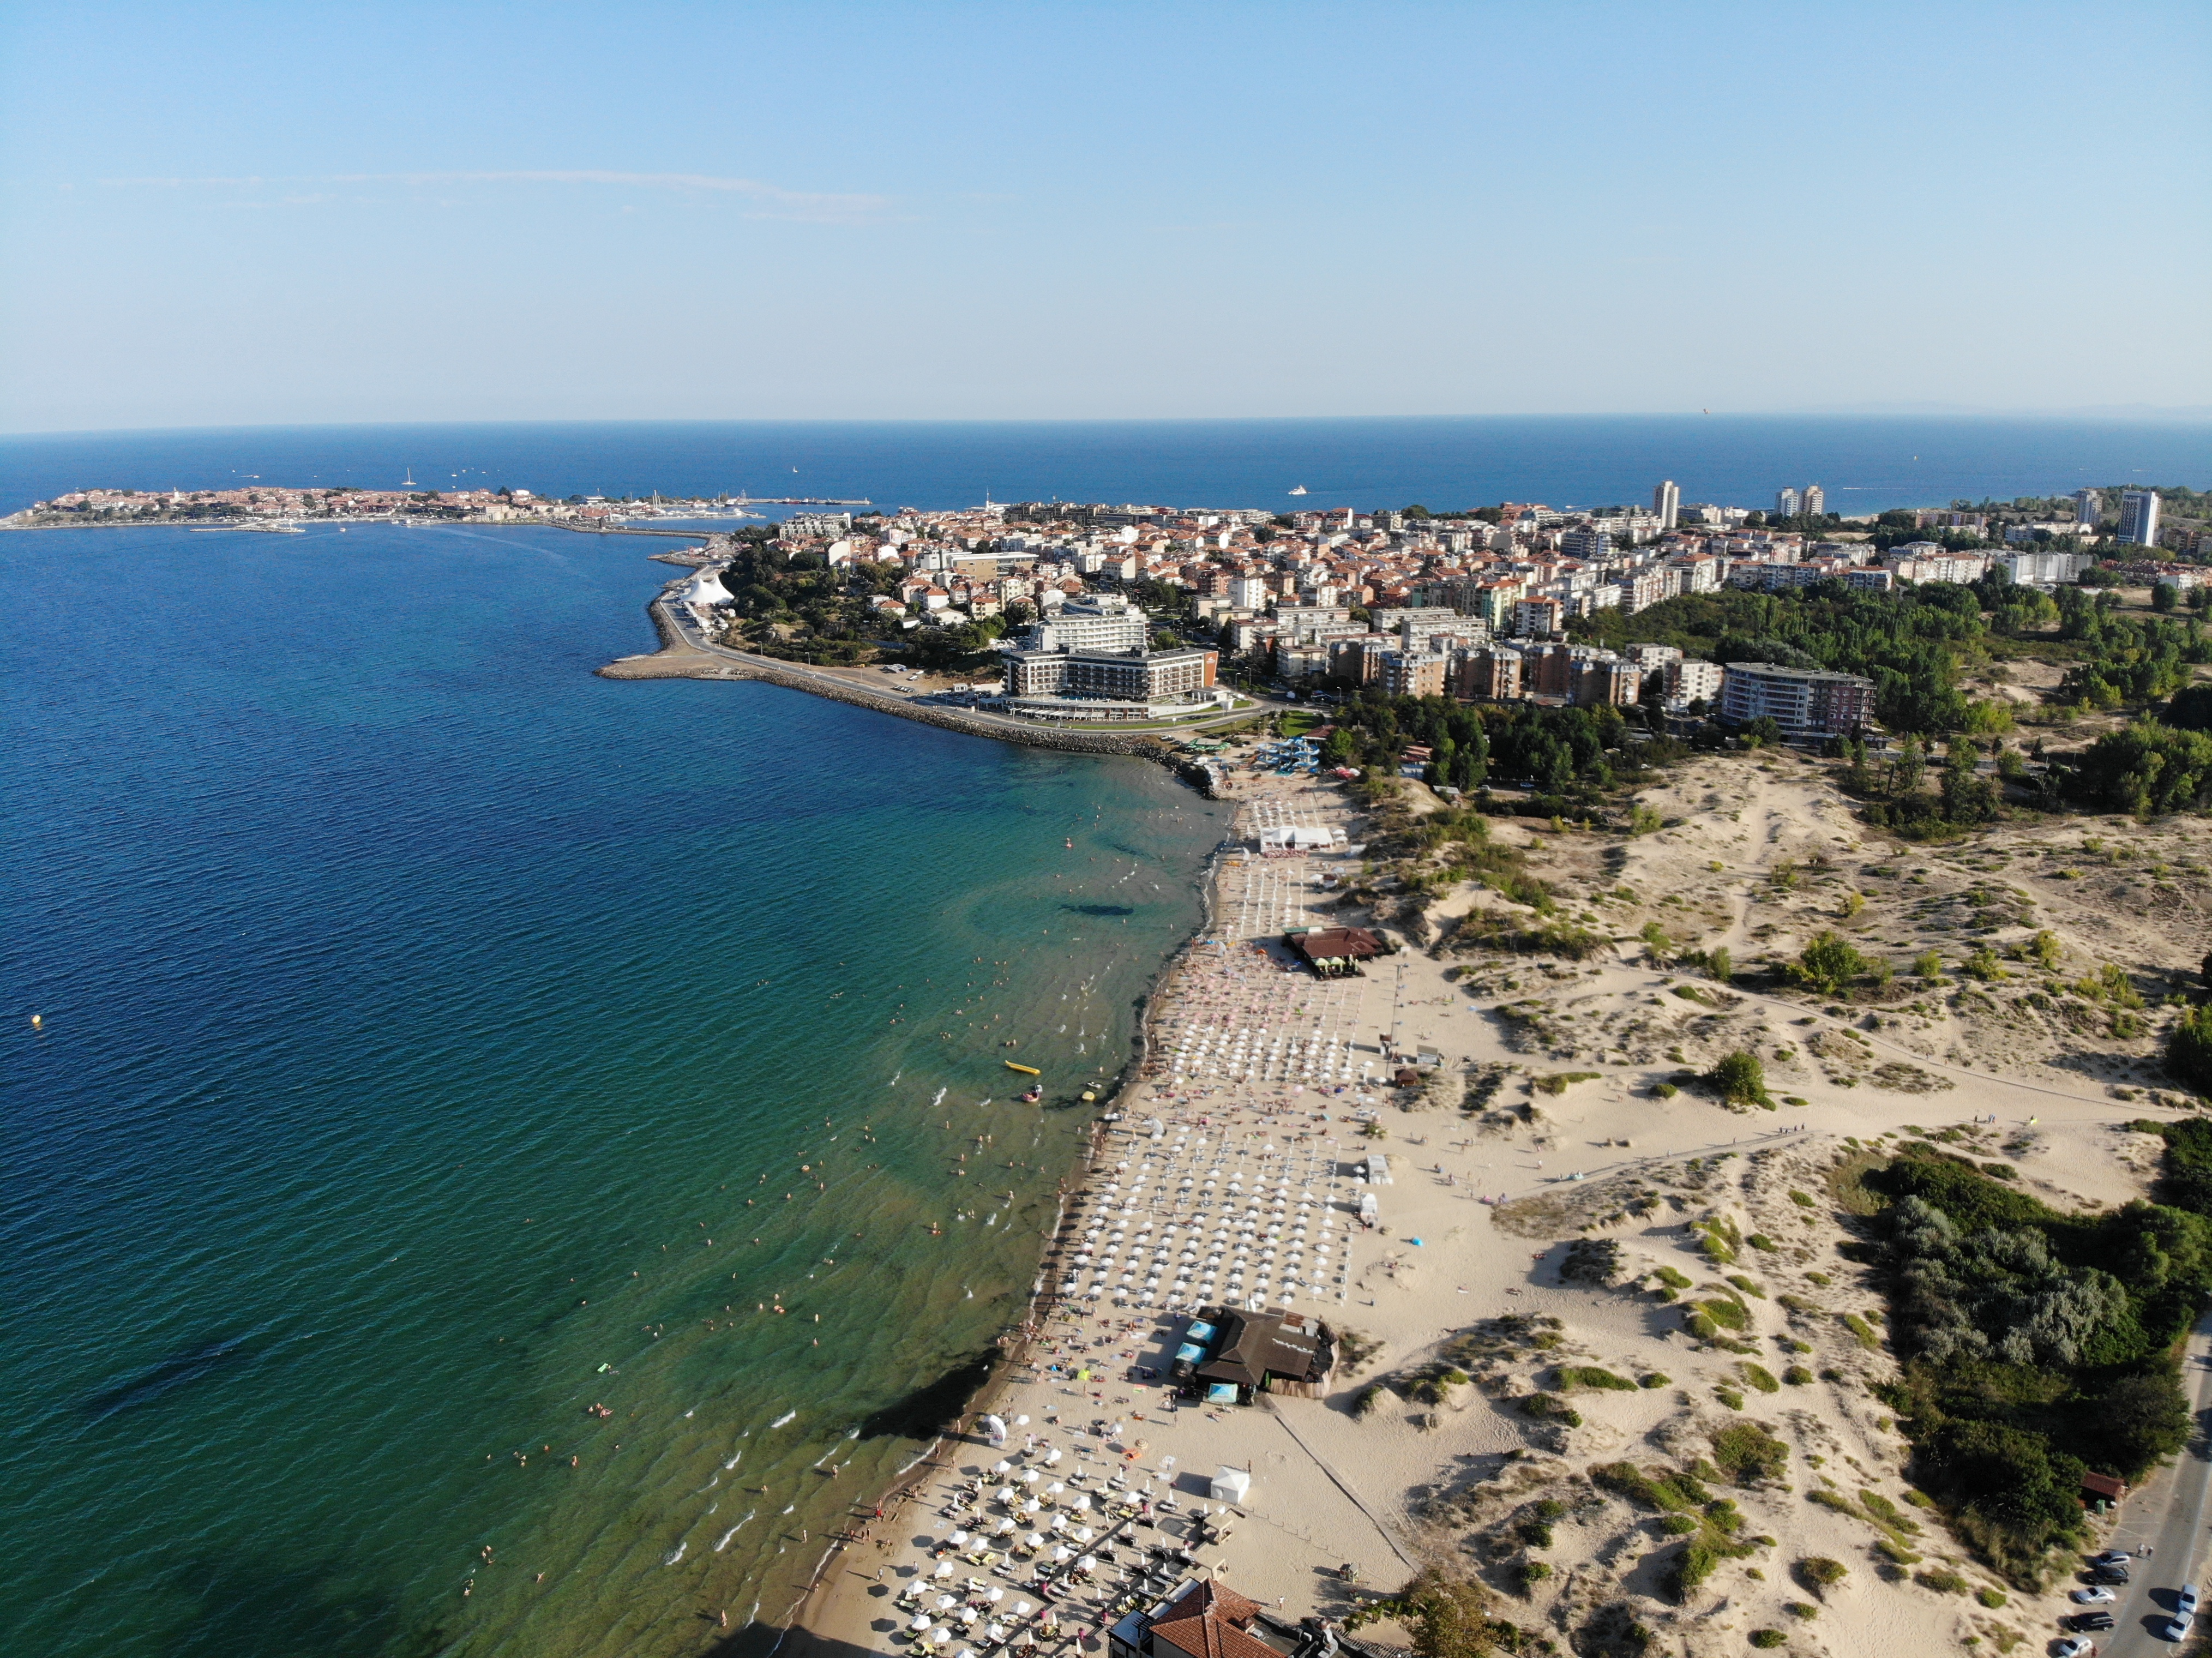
[(1210, 1622)]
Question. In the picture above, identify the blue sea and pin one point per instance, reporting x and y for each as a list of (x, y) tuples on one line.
[(438, 1041), (1866, 464)]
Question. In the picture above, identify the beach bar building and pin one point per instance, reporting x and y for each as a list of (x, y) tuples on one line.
[(1337, 951), (1281, 1352), (1199, 1618)]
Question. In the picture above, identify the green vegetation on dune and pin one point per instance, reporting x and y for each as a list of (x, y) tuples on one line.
[(2036, 1346)]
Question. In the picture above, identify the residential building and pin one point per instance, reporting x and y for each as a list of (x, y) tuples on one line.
[(1689, 680), (2139, 518), (1666, 502), (1787, 503), (1803, 702), (1696, 573), (1250, 592), (1105, 622), (1816, 500), (1409, 673), (1640, 589), (1604, 678), (1588, 542), (1936, 565), (1538, 618), (1491, 676), (2088, 509), (1494, 602)]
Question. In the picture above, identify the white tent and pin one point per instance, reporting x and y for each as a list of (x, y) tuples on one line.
[(1378, 1170), (704, 589), (1230, 1484)]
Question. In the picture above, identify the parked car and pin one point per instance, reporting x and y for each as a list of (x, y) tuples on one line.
[(2177, 1627), (2186, 1604), (2109, 1575), (2091, 1620), (2110, 1558), (2095, 1597), (2073, 1647)]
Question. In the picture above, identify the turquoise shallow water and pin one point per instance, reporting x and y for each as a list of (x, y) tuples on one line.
[(422, 1014)]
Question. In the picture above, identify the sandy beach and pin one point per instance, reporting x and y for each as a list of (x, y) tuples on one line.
[(1262, 1091)]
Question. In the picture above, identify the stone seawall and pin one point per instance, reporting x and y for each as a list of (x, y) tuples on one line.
[(680, 659)]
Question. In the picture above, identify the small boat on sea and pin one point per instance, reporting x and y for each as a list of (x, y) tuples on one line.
[(1026, 1070), (1033, 1096)]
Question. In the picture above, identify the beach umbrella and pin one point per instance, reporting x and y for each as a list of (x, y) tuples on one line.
[(1050, 1458), (1021, 1609), (1062, 1555), (946, 1602), (1005, 1526), (1030, 1476), (1081, 1504), (919, 1624), (993, 1633), (1034, 1540), (1084, 1534), (1056, 1489), (1002, 1466), (944, 1570), (1005, 1494), (958, 1539), (1060, 1522), (939, 1636), (994, 1596), (1089, 1563)]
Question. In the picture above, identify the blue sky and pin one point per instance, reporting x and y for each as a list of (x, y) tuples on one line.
[(227, 214)]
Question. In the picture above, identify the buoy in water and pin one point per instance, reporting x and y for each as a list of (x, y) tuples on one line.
[(37, 1022)]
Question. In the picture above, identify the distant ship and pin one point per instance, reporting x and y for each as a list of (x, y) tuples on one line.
[(1300, 490)]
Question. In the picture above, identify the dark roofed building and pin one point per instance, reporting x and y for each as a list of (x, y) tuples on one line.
[(2103, 1487), (1334, 950), (1273, 1352)]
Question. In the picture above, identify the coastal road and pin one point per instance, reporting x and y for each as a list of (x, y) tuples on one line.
[(691, 637), (2167, 1513)]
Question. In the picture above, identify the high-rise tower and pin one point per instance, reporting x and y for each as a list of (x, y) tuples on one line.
[(2139, 518), (1666, 501)]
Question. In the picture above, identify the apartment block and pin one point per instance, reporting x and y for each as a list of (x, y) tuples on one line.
[(1803, 702)]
